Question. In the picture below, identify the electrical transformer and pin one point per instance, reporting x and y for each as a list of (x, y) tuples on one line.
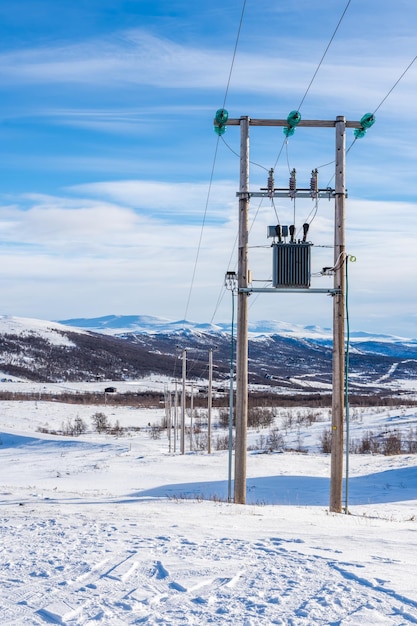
[(291, 264)]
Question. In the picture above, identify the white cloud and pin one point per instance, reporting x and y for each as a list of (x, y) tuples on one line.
[(139, 58), (126, 259)]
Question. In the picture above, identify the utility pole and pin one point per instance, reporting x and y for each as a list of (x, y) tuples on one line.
[(191, 415), (183, 399), (338, 292), (338, 323), (242, 319), (210, 400), (175, 416)]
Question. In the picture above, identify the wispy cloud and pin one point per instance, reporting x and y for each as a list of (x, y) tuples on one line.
[(139, 58)]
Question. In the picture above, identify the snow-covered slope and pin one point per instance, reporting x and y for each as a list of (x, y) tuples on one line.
[(113, 531), (121, 324)]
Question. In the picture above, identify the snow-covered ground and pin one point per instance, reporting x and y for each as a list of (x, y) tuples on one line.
[(108, 530)]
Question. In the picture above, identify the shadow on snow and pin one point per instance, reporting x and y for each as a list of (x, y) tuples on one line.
[(389, 486)]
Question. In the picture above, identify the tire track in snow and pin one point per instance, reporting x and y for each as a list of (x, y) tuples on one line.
[(112, 576)]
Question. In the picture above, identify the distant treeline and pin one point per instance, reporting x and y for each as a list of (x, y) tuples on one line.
[(151, 399)]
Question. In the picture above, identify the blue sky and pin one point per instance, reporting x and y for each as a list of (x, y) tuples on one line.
[(107, 152)]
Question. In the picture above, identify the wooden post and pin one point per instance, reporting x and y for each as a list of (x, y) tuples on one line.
[(336, 478), (191, 416), (210, 400), (242, 320), (183, 399)]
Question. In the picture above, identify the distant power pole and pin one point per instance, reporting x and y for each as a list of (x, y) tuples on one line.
[(183, 399), (338, 292), (209, 400)]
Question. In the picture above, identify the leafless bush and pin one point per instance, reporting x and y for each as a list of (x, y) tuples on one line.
[(224, 417), (260, 417), (155, 431), (387, 442), (411, 441), (100, 422), (326, 441), (392, 443), (221, 442), (72, 428), (116, 429), (275, 440), (200, 441)]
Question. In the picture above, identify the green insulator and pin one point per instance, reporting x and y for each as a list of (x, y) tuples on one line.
[(294, 118), (367, 120), (220, 130), (222, 116), (288, 131), (359, 133)]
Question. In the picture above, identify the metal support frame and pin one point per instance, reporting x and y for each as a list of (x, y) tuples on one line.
[(275, 290)]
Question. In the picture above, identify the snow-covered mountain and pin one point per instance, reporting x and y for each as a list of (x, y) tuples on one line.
[(122, 325), (119, 324), (283, 356)]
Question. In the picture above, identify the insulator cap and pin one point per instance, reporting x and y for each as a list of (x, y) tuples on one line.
[(293, 119), (221, 118)]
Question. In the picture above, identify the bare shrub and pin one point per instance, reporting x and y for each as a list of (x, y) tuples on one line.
[(200, 441), (73, 428), (326, 441), (260, 417), (155, 431), (221, 442), (100, 422), (392, 443), (275, 440), (288, 420), (411, 441), (224, 417), (116, 429), (80, 426)]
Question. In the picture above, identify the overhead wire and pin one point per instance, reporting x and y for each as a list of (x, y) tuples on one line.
[(373, 113), (323, 56), (285, 141), (213, 167)]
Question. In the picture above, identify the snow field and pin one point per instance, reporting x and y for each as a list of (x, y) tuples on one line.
[(103, 530)]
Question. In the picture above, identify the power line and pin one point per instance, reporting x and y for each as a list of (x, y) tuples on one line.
[(394, 85), (201, 231), (285, 141), (324, 54), (375, 110), (234, 53), (213, 167)]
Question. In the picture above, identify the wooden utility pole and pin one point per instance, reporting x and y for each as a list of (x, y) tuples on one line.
[(338, 293), (191, 416), (210, 400), (338, 323), (183, 399), (242, 319)]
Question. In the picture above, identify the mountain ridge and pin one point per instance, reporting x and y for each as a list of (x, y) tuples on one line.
[(133, 347)]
